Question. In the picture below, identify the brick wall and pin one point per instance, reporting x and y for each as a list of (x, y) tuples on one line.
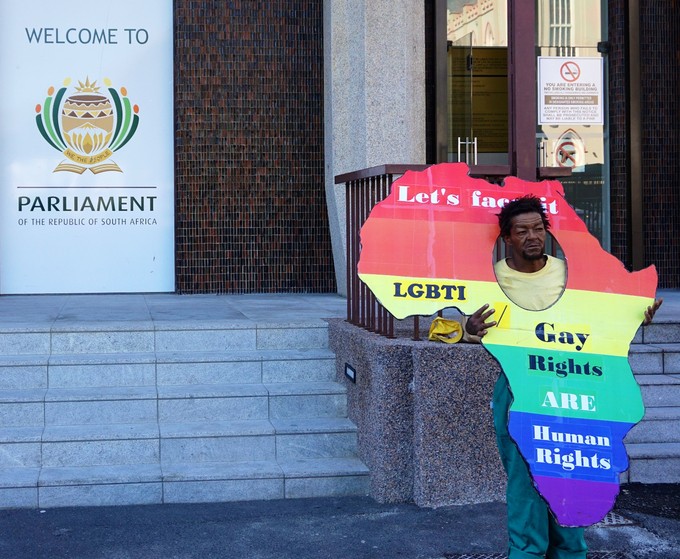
[(660, 100), (660, 77), (618, 131), (250, 205)]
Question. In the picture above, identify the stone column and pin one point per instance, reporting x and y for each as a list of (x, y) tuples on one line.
[(374, 70)]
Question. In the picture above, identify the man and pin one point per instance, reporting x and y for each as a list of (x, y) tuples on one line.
[(534, 281)]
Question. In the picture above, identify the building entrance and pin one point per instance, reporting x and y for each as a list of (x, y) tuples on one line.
[(526, 96)]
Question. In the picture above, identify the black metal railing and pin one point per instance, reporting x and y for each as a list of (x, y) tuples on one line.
[(363, 190)]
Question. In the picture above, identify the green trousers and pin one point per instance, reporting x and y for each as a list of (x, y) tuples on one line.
[(532, 530)]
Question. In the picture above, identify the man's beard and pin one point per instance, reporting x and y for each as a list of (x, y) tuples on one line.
[(533, 256)]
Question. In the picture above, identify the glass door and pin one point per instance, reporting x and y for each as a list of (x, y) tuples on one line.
[(477, 76), (462, 143), (572, 129)]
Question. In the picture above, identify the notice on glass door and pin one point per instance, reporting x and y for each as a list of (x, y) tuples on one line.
[(570, 90)]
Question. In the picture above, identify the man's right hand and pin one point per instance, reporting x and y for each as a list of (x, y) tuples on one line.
[(476, 324)]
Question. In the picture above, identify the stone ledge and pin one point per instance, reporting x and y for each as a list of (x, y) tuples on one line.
[(423, 414)]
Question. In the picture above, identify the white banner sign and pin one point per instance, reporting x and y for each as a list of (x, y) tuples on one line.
[(86, 147), (570, 90)]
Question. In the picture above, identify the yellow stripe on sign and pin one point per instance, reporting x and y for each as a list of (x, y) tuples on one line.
[(588, 321), (404, 296), (581, 321)]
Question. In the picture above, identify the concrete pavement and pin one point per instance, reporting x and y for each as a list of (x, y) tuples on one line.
[(645, 525)]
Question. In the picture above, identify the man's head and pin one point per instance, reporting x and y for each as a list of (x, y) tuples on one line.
[(524, 225), (525, 204)]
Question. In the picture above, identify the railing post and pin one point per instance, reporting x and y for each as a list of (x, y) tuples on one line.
[(348, 241), (363, 190)]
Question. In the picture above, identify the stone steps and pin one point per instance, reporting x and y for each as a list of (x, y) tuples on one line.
[(653, 445), (100, 415), (654, 462), (96, 413)]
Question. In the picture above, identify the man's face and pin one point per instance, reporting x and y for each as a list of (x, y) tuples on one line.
[(527, 236)]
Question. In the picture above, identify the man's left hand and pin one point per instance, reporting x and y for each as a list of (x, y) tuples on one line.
[(651, 311)]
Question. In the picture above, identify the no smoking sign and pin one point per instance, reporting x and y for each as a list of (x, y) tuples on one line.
[(570, 91), (570, 71), (569, 152)]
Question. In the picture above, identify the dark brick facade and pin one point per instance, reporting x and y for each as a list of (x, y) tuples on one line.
[(251, 213), (660, 108), (660, 78), (619, 147)]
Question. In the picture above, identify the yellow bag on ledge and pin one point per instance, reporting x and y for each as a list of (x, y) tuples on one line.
[(444, 330)]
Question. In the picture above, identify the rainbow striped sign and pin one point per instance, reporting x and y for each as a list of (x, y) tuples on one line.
[(430, 245)]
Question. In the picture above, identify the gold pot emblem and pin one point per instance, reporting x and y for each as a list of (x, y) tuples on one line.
[(88, 126)]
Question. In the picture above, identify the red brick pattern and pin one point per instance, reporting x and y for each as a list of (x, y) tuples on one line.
[(251, 213)]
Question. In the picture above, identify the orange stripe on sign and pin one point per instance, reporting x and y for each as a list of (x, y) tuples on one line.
[(428, 249), (597, 270)]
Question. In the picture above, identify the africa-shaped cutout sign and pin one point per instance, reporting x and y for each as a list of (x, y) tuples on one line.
[(430, 245)]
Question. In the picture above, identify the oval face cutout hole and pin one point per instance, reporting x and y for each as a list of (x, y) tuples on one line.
[(532, 291)]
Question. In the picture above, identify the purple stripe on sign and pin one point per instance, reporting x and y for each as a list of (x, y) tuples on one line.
[(576, 502)]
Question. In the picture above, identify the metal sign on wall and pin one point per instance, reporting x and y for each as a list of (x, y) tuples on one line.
[(86, 148), (570, 90)]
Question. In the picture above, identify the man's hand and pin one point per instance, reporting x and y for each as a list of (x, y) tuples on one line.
[(651, 310), (477, 324)]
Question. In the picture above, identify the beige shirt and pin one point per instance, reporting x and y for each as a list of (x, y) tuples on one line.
[(533, 291)]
